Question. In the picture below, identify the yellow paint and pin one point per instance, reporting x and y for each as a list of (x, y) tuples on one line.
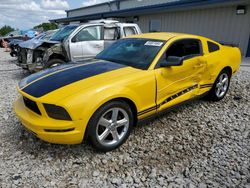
[(145, 88)]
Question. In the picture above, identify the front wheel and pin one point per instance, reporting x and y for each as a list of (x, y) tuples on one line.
[(110, 126), (53, 63), (220, 87)]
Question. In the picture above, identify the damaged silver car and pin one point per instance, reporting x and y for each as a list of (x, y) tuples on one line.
[(74, 43), (14, 45), (25, 50)]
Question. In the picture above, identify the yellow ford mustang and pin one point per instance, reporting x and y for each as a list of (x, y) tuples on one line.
[(134, 79)]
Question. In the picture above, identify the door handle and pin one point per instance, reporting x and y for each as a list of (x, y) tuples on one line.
[(97, 46)]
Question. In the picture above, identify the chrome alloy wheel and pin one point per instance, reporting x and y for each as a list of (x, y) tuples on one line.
[(112, 126), (222, 85)]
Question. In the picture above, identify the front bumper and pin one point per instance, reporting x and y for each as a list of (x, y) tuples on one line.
[(23, 65), (31, 67), (34, 67), (28, 59), (47, 129)]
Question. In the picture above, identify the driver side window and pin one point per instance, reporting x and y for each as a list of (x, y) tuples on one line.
[(182, 48), (88, 34)]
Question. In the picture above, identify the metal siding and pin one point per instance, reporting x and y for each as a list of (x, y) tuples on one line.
[(92, 10), (136, 3), (126, 4), (220, 24)]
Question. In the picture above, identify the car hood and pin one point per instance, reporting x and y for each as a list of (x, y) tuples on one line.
[(15, 42), (33, 44), (58, 81), (11, 37)]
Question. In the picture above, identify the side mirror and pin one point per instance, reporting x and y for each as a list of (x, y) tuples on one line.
[(172, 61)]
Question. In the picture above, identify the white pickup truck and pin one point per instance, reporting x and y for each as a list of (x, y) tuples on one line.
[(74, 43)]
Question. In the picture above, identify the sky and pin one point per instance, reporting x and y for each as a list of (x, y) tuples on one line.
[(25, 14)]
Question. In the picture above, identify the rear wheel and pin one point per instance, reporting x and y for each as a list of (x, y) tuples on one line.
[(220, 87), (53, 63), (110, 126)]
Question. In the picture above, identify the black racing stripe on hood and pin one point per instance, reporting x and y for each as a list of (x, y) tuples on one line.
[(42, 73), (55, 81)]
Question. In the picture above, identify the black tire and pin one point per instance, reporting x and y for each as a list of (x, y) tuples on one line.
[(13, 54), (53, 63), (212, 93), (93, 126)]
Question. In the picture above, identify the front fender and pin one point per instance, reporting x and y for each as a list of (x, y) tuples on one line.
[(84, 105)]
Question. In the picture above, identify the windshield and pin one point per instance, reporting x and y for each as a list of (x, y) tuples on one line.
[(63, 33), (40, 36), (49, 35), (138, 53)]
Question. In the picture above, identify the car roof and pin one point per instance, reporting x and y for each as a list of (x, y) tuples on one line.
[(162, 35)]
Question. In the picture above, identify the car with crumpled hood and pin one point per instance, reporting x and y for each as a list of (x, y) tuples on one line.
[(18, 46), (75, 43), (14, 44)]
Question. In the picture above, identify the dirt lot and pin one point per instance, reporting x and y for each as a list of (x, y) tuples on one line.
[(201, 144)]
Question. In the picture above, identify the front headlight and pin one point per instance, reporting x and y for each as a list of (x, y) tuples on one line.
[(57, 112)]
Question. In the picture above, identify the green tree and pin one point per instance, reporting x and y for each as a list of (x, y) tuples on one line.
[(46, 26), (5, 30)]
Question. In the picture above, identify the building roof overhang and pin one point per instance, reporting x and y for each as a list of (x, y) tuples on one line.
[(165, 7)]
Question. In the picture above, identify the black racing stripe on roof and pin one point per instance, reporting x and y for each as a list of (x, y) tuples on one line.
[(55, 81)]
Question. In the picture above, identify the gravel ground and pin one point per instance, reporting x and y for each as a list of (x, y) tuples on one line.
[(201, 144)]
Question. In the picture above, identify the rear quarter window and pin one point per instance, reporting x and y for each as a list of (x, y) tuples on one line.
[(212, 47), (129, 31)]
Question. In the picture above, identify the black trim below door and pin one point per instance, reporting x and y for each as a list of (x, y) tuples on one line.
[(169, 99)]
